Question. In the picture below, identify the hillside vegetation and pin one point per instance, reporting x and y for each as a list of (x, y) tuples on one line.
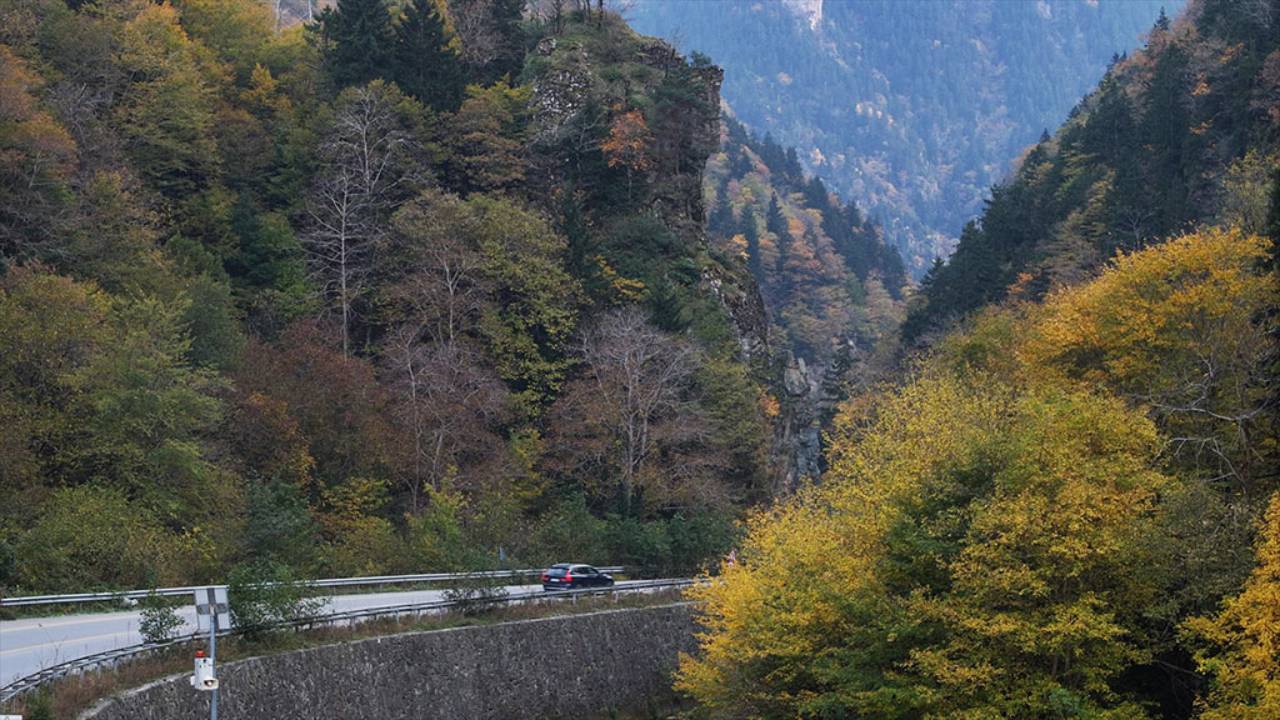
[(913, 109), (407, 288), (1042, 522), (1066, 506), (831, 286), (1181, 132), (450, 285), (823, 267)]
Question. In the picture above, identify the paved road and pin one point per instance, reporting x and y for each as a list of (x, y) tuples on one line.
[(29, 645)]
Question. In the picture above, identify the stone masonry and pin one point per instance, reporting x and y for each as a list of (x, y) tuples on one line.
[(560, 667)]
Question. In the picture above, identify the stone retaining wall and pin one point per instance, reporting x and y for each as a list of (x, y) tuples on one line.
[(568, 666)]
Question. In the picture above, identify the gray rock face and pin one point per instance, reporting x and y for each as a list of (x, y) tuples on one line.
[(573, 666), (796, 377), (741, 299), (560, 93)]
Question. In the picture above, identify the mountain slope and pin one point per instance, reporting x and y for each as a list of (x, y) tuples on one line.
[(913, 109), (820, 263), (298, 297), (1181, 133), (832, 287)]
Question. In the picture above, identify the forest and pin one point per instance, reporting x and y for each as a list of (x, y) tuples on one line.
[(831, 286), (379, 286), (1181, 132), (1066, 502), (407, 287), (913, 109)]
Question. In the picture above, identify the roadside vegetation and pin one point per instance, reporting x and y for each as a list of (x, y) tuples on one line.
[(66, 698)]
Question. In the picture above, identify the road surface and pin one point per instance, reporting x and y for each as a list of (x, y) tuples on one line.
[(29, 645)]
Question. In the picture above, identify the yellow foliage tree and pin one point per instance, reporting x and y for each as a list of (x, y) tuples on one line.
[(1245, 666), (1183, 328), (974, 551)]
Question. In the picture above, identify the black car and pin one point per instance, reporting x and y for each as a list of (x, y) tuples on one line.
[(571, 576)]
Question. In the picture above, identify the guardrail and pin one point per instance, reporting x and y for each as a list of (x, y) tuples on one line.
[(111, 657), (329, 582)]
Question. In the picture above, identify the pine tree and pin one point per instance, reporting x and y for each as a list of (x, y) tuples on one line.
[(1109, 131), (720, 221), (358, 40), (816, 196), (507, 15), (422, 63), (1162, 22), (1166, 129), (775, 222)]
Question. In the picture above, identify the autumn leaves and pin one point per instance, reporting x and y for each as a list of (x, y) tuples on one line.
[(1021, 530)]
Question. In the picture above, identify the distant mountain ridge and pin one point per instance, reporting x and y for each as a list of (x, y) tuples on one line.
[(1182, 133), (912, 109)]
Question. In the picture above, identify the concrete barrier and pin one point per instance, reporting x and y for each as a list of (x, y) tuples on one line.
[(560, 667)]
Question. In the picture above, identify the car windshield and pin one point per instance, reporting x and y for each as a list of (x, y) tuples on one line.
[(557, 571)]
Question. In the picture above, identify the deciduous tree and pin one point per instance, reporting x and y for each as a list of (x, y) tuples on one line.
[(1182, 328), (627, 428), (486, 138), (1243, 660), (370, 164), (975, 550), (628, 144)]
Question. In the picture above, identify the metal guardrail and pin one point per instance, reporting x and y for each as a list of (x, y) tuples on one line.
[(26, 600), (111, 657)]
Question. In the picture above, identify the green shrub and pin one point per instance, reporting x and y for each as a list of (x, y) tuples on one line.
[(93, 537), (698, 540), (476, 594), (571, 533), (638, 544), (8, 563), (160, 621), (264, 594), (436, 539)]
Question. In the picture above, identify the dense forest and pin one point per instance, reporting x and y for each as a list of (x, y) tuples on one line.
[(913, 109), (330, 289), (1053, 517), (831, 286), (1067, 503), (823, 267), (1181, 132), (414, 286)]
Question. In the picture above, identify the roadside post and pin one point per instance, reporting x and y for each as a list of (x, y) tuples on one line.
[(212, 612)]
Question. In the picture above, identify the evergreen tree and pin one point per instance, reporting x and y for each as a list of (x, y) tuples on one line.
[(422, 63), (1110, 128), (358, 40), (1166, 129), (507, 15), (775, 222), (815, 196), (1162, 22), (720, 221)]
